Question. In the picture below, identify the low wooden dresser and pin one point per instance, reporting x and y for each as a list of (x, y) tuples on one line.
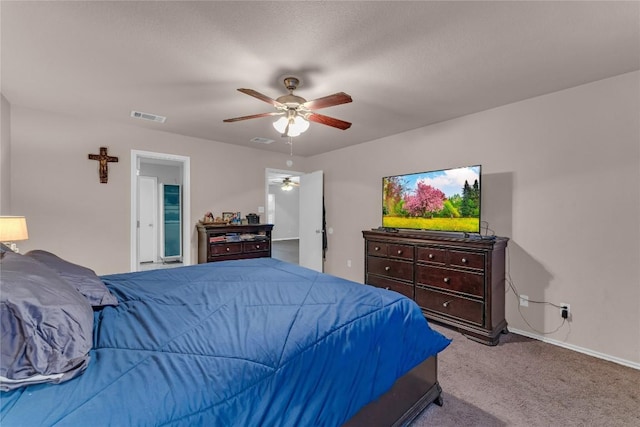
[(226, 242), (456, 281)]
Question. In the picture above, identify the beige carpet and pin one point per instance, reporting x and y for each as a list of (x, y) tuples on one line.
[(525, 382)]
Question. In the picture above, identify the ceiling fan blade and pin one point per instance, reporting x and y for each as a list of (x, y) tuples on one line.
[(329, 121), (253, 116), (261, 97), (328, 101)]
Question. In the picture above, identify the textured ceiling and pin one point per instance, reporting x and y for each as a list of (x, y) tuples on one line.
[(406, 64)]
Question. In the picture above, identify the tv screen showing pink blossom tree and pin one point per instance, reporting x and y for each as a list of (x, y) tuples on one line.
[(443, 200)]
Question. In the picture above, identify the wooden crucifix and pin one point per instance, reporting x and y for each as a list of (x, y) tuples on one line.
[(104, 160)]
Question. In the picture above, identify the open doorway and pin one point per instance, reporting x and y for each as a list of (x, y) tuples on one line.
[(160, 210), (283, 211), (303, 226)]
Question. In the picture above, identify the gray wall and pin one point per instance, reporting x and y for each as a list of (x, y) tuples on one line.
[(5, 158)]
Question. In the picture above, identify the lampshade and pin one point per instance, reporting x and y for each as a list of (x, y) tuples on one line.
[(300, 124), (281, 124), (297, 125), (13, 228)]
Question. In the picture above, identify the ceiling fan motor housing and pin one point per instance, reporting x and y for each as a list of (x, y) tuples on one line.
[(291, 100), (291, 83)]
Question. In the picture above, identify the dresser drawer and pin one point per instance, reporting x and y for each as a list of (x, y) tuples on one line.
[(391, 250), (451, 280), (450, 305), (400, 251), (403, 288), (226, 249), (432, 255), (377, 248), (255, 246), (466, 259), (390, 267)]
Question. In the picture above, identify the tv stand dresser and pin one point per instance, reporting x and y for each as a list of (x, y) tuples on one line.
[(457, 281), (227, 242)]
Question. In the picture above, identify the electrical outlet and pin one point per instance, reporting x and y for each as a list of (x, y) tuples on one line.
[(348, 263), (565, 307), (524, 301)]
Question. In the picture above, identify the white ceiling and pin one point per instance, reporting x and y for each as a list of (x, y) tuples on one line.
[(406, 64)]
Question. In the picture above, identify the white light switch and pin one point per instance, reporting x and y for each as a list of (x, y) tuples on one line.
[(260, 209)]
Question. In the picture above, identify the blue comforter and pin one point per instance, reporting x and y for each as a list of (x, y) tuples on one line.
[(236, 343)]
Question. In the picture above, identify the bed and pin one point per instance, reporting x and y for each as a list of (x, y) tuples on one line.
[(255, 342)]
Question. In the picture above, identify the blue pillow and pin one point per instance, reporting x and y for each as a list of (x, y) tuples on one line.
[(82, 278), (46, 325)]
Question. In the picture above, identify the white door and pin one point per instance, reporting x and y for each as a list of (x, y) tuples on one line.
[(311, 210), (147, 223)]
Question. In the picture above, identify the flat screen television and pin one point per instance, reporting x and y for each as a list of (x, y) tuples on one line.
[(445, 200)]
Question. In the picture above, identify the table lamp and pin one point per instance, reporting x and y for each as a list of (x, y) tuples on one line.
[(13, 228)]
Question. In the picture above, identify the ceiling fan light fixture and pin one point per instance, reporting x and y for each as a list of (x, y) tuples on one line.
[(300, 124), (296, 125), (281, 124)]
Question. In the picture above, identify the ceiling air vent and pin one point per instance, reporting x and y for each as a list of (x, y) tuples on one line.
[(147, 116), (260, 140)]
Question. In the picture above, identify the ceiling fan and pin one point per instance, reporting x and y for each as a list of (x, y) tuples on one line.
[(288, 184), (295, 111)]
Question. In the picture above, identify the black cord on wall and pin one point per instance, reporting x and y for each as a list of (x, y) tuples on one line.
[(488, 232), (515, 291)]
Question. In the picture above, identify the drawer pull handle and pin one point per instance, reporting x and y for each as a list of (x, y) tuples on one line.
[(464, 260), (430, 256), (228, 249), (446, 304), (399, 251), (447, 280), (387, 288), (257, 246), (387, 268), (377, 248)]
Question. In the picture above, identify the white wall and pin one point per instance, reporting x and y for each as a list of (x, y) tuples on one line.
[(71, 214), (560, 178)]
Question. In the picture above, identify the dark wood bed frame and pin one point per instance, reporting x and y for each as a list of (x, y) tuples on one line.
[(408, 397)]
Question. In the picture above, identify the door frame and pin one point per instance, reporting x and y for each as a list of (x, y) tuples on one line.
[(136, 157)]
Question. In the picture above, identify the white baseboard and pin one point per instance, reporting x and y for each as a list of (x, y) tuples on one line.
[(587, 351)]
